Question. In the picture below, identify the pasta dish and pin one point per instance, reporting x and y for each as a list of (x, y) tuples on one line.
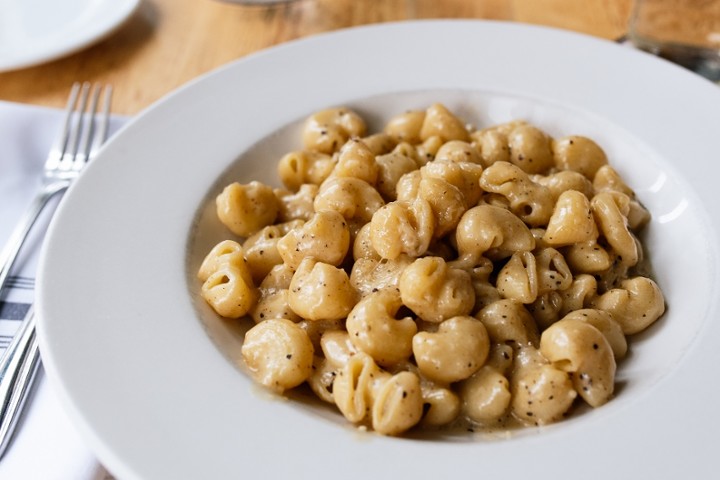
[(434, 273)]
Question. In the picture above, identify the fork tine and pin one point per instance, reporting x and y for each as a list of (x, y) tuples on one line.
[(87, 121), (75, 128), (101, 135), (58, 149)]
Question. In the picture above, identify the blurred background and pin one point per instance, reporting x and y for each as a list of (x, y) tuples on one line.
[(166, 43)]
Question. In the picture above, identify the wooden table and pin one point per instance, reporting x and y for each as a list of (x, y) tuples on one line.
[(169, 42)]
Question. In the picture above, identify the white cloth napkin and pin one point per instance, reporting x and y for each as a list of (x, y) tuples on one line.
[(46, 445)]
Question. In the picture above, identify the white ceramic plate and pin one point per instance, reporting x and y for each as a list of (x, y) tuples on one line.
[(36, 31), (147, 372)]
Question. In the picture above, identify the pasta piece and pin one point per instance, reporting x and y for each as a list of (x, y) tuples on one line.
[(362, 245), (427, 150), (458, 151), (393, 402), (354, 384), (273, 304), (371, 275), (493, 232), (436, 291), (319, 291), (587, 257), (579, 154), (530, 201), (638, 216), (538, 233), (316, 329), (479, 269), (509, 322), (579, 295), (636, 305), (322, 378), (446, 201), (278, 354), (337, 348), (273, 301), (353, 198), (245, 209), (261, 253), (541, 394), (326, 238), (391, 167), (356, 160), (440, 122), (610, 211), (328, 130), (607, 179), (579, 348), (398, 404), (565, 180), (464, 176), (501, 357), (279, 278), (492, 145), (406, 126), (518, 279), (571, 221), (380, 143), (408, 186), (402, 228), (225, 252), (441, 405), (546, 308), (298, 205), (296, 169), (373, 328), (530, 149), (606, 324), (408, 150), (485, 396), (229, 290), (457, 350), (553, 273)]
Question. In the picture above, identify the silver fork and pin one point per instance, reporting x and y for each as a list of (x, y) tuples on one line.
[(66, 159), (80, 138)]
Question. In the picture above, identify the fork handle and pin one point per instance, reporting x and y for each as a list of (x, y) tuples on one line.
[(17, 238), (18, 368)]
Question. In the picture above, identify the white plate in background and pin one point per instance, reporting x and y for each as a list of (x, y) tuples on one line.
[(36, 31), (146, 370)]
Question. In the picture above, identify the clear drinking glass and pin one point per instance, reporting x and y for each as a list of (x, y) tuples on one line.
[(686, 32)]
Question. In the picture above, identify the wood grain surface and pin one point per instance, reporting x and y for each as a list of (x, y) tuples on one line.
[(166, 43)]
